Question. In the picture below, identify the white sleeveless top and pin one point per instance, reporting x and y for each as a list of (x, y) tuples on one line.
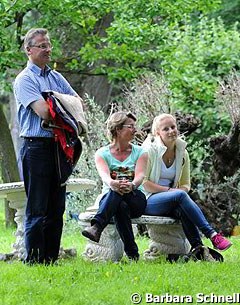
[(167, 174)]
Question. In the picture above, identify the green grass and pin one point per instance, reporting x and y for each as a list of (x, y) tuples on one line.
[(75, 281)]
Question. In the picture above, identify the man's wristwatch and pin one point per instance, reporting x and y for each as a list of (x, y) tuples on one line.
[(134, 187)]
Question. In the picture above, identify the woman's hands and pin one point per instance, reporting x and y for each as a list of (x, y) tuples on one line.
[(122, 186)]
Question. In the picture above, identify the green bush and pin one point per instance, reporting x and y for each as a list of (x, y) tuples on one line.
[(96, 118)]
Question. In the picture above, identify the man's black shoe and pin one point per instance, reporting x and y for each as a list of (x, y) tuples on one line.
[(93, 233), (134, 258)]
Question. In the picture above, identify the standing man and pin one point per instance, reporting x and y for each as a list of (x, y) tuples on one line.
[(45, 196)]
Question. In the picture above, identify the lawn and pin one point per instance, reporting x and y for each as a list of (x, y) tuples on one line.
[(75, 281)]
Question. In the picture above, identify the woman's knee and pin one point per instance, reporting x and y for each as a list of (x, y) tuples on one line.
[(123, 207), (139, 210), (110, 198), (134, 210), (181, 194)]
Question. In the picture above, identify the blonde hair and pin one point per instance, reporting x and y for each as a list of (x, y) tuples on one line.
[(157, 122), (116, 121)]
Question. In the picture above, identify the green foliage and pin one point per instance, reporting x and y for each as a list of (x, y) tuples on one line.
[(199, 56), (138, 36), (125, 40), (199, 155), (96, 118), (229, 12), (130, 39)]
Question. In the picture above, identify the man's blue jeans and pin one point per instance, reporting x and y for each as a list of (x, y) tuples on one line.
[(45, 201), (122, 208), (179, 205)]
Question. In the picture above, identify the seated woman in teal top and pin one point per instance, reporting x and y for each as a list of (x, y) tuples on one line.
[(121, 166)]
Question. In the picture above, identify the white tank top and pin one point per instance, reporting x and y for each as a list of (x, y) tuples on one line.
[(167, 174)]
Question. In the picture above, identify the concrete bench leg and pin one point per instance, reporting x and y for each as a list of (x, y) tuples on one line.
[(109, 248), (166, 239)]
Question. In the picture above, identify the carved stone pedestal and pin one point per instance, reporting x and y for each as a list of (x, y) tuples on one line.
[(110, 246), (166, 236), (166, 239)]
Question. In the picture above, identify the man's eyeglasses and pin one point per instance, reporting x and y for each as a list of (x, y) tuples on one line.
[(43, 46), (130, 126)]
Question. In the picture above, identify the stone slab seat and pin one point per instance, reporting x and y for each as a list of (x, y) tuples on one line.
[(166, 237)]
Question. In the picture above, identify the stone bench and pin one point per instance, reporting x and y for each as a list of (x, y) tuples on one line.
[(166, 237), (14, 192)]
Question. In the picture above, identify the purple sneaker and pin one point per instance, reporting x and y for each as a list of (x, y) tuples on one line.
[(221, 243)]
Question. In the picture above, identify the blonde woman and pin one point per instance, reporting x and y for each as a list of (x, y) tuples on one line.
[(167, 183), (121, 166)]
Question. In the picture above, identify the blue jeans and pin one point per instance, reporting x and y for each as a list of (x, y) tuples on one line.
[(179, 205), (45, 201), (122, 208)]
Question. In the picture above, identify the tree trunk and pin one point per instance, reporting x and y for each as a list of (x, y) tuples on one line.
[(17, 141), (226, 158), (221, 195), (8, 162)]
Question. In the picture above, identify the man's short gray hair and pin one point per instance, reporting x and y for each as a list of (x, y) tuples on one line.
[(31, 34)]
